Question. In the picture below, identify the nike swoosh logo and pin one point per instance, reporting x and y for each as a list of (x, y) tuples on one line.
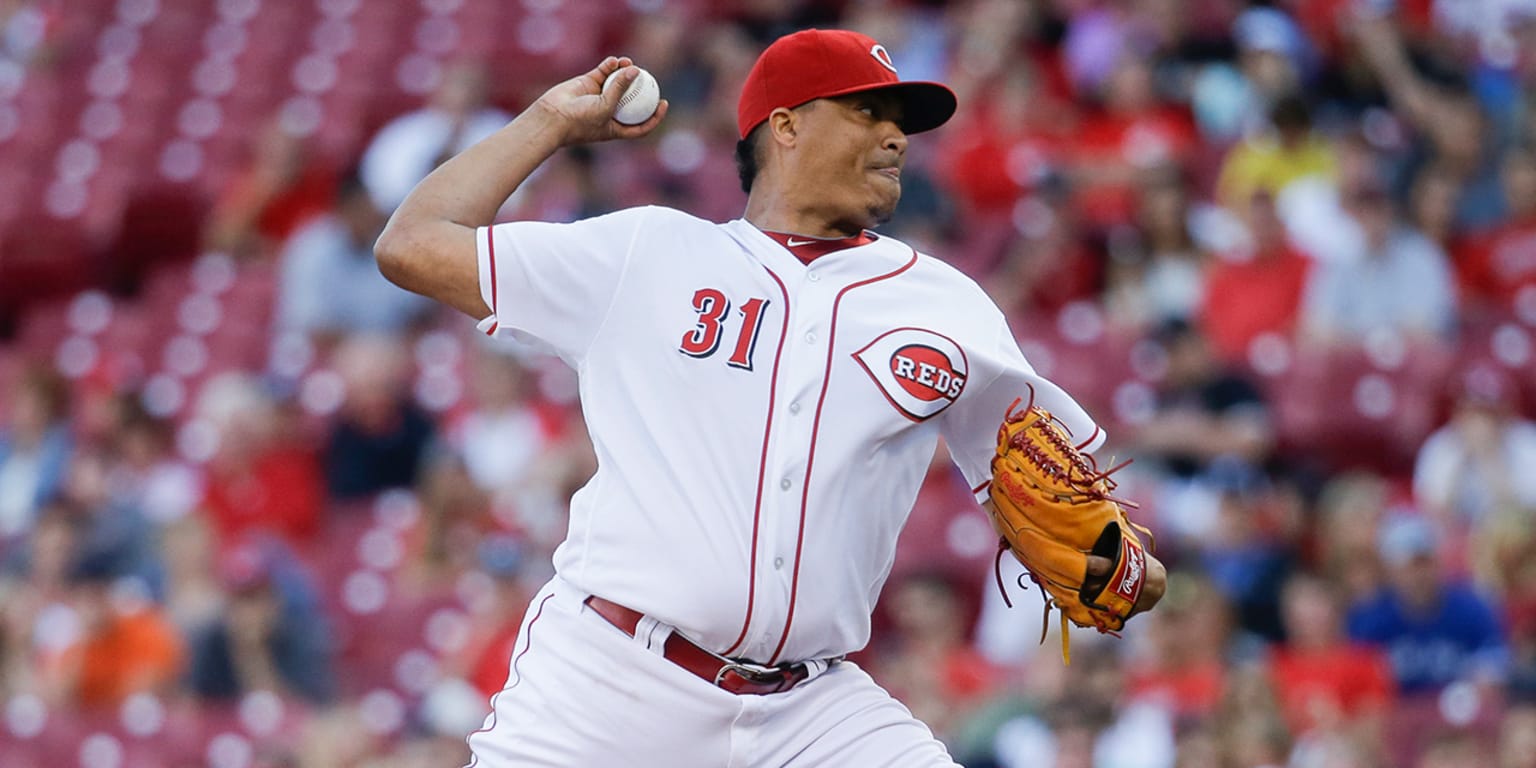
[(791, 242)]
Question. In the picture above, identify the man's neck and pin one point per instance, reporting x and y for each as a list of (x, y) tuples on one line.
[(772, 213)]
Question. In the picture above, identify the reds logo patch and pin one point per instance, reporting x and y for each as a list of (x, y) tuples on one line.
[(920, 372), (882, 56)]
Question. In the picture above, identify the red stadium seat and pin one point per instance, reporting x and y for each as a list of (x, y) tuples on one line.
[(43, 326), (1347, 410), (161, 223), (40, 259)]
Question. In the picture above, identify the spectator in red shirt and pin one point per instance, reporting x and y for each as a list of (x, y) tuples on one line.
[(283, 187), (1323, 680), (259, 479), (1133, 133), (1014, 135), (1249, 295), (1498, 270)]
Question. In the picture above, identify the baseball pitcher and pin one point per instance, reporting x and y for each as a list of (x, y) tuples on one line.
[(764, 396)]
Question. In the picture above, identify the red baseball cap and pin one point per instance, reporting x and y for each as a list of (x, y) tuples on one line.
[(819, 63)]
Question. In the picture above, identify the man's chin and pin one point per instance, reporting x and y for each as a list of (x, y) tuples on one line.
[(881, 213)]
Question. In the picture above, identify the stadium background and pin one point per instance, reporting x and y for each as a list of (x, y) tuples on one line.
[(258, 508)]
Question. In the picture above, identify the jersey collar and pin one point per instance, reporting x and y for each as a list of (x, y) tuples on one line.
[(843, 266), (808, 249)]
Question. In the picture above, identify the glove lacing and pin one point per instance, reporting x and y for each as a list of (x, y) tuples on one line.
[(1082, 474)]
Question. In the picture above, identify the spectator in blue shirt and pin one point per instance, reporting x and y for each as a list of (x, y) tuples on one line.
[(1435, 630), (1390, 278), (272, 635), (380, 436), (35, 447), (330, 285)]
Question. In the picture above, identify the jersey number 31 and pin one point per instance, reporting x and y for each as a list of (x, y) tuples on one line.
[(713, 308)]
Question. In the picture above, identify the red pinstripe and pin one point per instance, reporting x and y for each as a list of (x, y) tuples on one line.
[(490, 251), (762, 466), (810, 459)]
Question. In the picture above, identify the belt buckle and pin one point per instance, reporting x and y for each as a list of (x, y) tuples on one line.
[(750, 672)]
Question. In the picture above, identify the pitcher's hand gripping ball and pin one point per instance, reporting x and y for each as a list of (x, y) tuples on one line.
[(639, 100), (1053, 508)]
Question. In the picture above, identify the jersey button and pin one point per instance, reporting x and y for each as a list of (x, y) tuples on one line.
[(784, 484), (813, 276), (810, 337), (778, 562), (794, 407)]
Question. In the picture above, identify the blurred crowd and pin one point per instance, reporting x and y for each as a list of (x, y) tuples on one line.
[(259, 507)]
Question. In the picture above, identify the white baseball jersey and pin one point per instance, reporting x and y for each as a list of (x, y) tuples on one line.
[(761, 425)]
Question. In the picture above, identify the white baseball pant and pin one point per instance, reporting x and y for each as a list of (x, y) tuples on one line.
[(581, 692)]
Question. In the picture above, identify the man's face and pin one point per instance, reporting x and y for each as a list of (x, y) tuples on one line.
[(1417, 579), (1373, 212), (1310, 615), (847, 169)]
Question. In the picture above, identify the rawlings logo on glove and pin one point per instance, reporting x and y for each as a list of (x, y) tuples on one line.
[(1053, 509)]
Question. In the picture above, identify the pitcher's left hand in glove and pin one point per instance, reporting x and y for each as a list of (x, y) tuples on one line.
[(1054, 510)]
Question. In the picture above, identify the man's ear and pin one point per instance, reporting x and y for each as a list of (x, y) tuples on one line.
[(783, 126)]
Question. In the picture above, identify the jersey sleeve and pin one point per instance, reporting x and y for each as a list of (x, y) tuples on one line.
[(970, 425), (551, 285)]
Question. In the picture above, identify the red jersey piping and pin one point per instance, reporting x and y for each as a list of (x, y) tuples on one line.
[(810, 459), (517, 678), (490, 251), (762, 466)]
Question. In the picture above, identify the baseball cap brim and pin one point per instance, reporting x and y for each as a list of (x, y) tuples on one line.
[(924, 105)]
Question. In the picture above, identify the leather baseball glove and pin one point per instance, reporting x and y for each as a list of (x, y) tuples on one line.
[(1054, 509)]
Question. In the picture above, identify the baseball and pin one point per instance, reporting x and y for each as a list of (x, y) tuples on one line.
[(639, 100)]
